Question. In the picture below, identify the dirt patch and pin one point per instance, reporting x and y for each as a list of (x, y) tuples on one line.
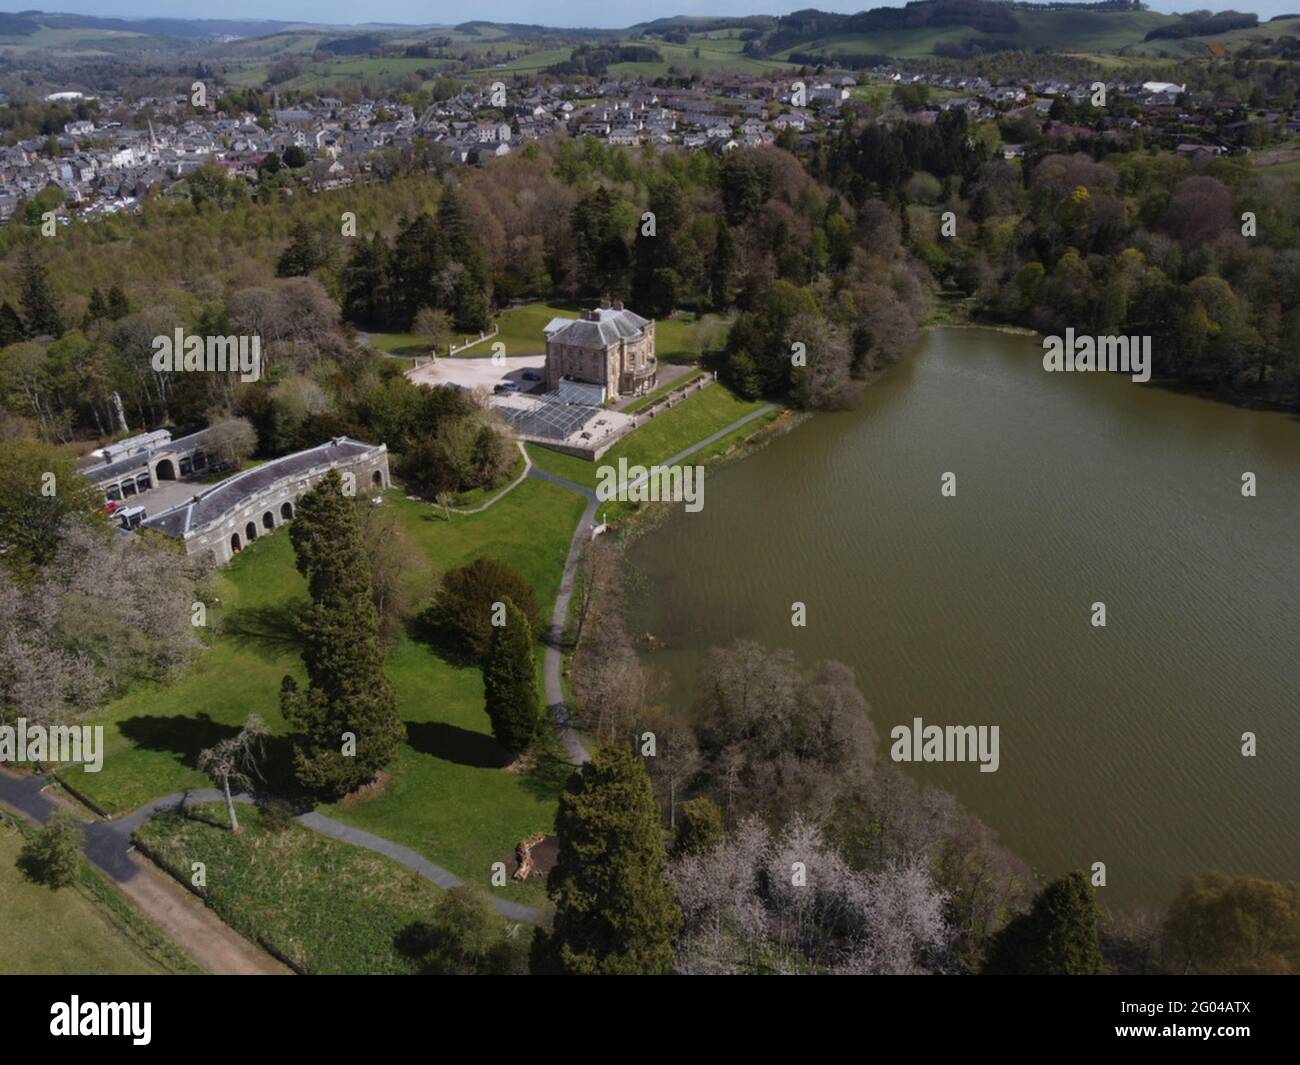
[(197, 930), (367, 791), (544, 856), (525, 763)]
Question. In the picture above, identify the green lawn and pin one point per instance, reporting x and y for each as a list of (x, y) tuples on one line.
[(447, 796), (83, 929), (400, 343), (327, 906), (697, 417), (521, 328)]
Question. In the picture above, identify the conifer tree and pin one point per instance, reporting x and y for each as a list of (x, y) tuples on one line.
[(348, 692), (724, 264), (302, 255), (41, 314), (510, 682), (366, 283), (1057, 937), (118, 305), (615, 910), (97, 310)]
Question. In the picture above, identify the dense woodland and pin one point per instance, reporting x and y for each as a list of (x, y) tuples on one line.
[(1200, 256)]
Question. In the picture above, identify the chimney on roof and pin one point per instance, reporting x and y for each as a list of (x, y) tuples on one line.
[(604, 305), (618, 305)]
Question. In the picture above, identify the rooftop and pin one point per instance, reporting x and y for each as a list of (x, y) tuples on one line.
[(233, 492), (600, 328)]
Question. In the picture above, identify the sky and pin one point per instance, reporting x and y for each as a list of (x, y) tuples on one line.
[(603, 14)]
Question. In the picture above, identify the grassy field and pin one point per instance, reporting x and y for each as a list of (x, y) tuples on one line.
[(1220, 44), (699, 416), (82, 929), (407, 344), (705, 55), (446, 796), (327, 906), (716, 55), (521, 328), (341, 73)]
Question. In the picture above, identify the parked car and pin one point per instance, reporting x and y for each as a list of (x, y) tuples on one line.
[(506, 387)]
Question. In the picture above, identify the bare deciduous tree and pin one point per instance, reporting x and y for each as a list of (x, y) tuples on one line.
[(236, 760), (231, 440)]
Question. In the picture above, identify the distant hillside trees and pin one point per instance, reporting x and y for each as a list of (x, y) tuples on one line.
[(431, 264), (1203, 24)]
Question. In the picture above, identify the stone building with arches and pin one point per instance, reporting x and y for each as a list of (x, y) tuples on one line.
[(132, 467), (226, 517)]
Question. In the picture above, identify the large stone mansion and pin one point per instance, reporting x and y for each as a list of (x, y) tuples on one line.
[(611, 347)]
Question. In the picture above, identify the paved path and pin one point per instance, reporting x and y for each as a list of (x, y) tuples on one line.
[(181, 915), (108, 843), (554, 657)]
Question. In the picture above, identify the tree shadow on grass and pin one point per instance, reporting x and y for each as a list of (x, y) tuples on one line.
[(455, 744), (267, 630), (427, 628), (178, 733), (189, 736)]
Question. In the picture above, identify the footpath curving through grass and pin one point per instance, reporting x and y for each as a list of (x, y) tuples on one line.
[(446, 795), (326, 907)]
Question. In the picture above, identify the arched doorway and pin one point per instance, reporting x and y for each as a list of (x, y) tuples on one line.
[(377, 478), (165, 470), (286, 511), (250, 531), (268, 521), (235, 545)]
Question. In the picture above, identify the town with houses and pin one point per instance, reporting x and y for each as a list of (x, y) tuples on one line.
[(108, 167)]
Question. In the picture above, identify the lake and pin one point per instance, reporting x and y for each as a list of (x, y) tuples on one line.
[(1119, 744)]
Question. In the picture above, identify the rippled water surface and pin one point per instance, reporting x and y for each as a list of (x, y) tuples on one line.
[(1120, 744)]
